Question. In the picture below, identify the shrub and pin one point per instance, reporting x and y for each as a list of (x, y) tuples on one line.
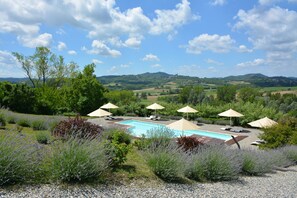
[(290, 152), (11, 119), (281, 134), (23, 122), (277, 159), (38, 125), (214, 163), (117, 146), (43, 137), (166, 163), (78, 160), (77, 127), (19, 161), (255, 162), (2, 121), (118, 136), (158, 137), (188, 142), (195, 169)]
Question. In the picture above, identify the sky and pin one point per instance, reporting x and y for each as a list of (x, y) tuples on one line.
[(203, 38)]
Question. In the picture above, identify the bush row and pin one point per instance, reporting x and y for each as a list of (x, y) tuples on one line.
[(24, 120), (216, 162), (69, 160)]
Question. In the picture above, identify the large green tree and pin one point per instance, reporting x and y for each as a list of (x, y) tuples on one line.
[(248, 94), (17, 97), (226, 93), (121, 97), (192, 95), (85, 93)]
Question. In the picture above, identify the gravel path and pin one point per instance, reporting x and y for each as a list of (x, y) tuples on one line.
[(280, 184)]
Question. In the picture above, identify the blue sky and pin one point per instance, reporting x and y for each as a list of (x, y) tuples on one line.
[(204, 38)]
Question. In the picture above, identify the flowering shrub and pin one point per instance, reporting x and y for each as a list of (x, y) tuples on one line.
[(188, 142), (77, 127)]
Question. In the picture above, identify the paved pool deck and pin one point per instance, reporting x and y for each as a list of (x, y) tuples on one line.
[(249, 134)]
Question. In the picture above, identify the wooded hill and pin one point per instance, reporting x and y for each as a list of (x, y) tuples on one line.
[(147, 80)]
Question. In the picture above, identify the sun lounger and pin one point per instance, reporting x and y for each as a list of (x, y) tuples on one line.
[(151, 117), (261, 141), (255, 143), (236, 130), (109, 118), (226, 128), (157, 118)]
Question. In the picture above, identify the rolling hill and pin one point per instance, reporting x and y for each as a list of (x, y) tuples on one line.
[(148, 80)]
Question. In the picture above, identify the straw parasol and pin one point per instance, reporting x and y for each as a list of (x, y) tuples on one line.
[(187, 110), (183, 125), (155, 107), (230, 113), (99, 113), (263, 123), (109, 106)]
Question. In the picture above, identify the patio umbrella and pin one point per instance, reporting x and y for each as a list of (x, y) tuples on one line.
[(155, 107), (183, 125), (99, 113), (187, 110), (230, 113), (109, 106), (263, 123)]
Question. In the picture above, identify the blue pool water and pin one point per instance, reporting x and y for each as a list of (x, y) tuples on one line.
[(139, 128)]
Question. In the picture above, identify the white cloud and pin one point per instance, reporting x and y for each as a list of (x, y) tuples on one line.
[(100, 48), (256, 62), (214, 43), (133, 42), (272, 30), (150, 57), (42, 40), (211, 61), (101, 19), (218, 2), (9, 66), (168, 20), (156, 66), (96, 61), (61, 46), (244, 49), (72, 52)]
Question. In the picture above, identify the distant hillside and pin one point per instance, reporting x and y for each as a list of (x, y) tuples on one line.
[(264, 81), (145, 80), (148, 80), (14, 80)]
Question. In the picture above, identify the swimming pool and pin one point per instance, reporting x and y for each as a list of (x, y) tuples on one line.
[(139, 128)]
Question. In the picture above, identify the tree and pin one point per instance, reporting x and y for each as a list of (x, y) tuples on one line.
[(86, 92), (123, 97), (226, 93), (20, 98), (44, 67), (248, 94), (5, 90), (192, 95)]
